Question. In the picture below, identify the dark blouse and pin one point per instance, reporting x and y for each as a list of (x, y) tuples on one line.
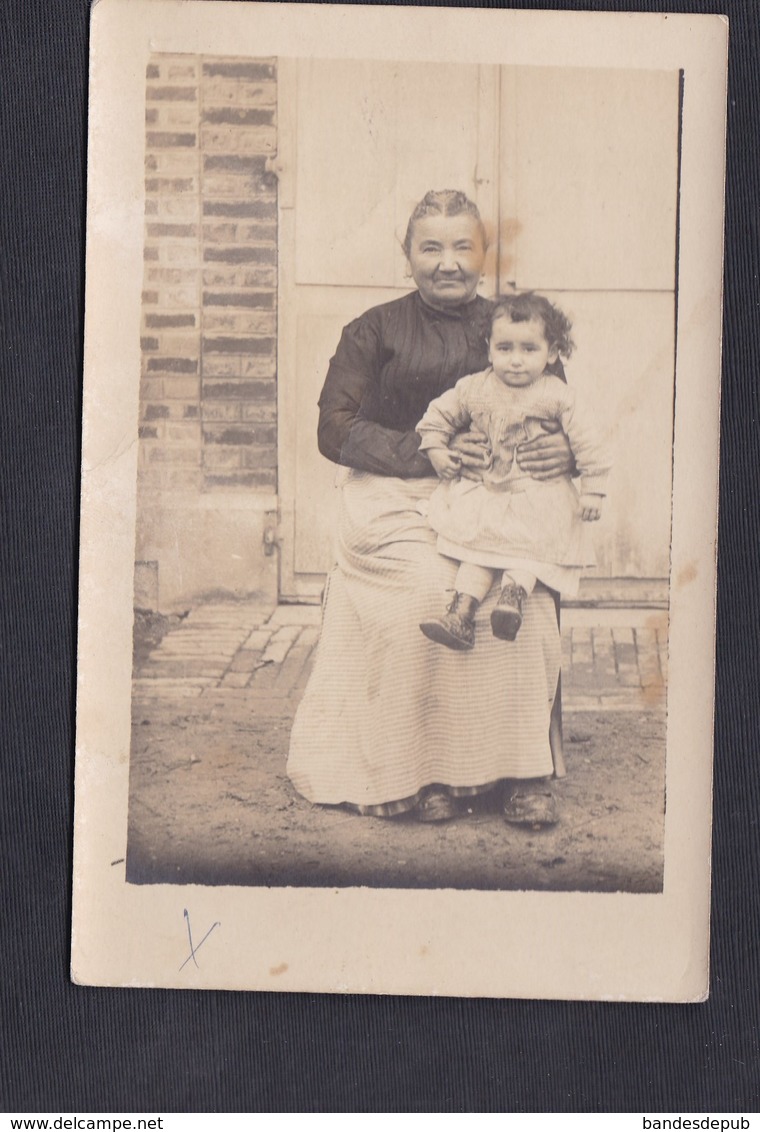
[(389, 364)]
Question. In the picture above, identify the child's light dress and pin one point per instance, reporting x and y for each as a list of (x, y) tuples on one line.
[(509, 516)]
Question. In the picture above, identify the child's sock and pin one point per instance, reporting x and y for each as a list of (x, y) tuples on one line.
[(475, 581), (519, 577)]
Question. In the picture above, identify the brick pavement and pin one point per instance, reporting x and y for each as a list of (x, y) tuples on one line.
[(612, 659)]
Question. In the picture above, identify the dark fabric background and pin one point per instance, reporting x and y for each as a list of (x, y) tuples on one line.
[(75, 1049)]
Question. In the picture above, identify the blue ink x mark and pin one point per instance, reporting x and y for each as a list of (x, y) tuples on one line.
[(194, 950)]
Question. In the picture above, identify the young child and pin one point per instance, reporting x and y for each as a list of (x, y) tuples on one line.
[(507, 522)]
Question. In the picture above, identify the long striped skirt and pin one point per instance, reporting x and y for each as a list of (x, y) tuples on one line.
[(386, 711)]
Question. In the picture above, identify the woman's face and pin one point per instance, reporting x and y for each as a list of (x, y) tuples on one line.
[(446, 259)]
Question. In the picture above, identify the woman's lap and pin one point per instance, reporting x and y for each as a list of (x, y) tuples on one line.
[(386, 711)]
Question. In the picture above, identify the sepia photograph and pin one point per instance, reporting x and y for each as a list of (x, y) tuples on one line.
[(330, 248), (401, 353)]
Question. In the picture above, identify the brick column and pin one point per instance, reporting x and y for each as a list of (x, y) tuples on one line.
[(239, 399), (170, 429), (208, 398)]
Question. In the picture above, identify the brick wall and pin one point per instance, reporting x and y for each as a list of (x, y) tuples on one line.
[(209, 330)]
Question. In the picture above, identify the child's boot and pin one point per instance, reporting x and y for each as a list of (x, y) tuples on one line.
[(456, 629), (506, 617)]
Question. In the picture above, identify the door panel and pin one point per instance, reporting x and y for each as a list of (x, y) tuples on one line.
[(594, 158), (623, 365), (575, 169), (346, 176), (372, 139), (367, 140), (437, 114), (588, 176)]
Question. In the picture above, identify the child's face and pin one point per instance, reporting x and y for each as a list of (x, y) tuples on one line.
[(518, 351)]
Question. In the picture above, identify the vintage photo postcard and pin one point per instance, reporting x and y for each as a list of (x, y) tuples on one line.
[(399, 495)]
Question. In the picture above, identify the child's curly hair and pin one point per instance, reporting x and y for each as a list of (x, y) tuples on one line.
[(529, 305)]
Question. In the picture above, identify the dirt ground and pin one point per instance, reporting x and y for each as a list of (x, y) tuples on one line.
[(210, 803)]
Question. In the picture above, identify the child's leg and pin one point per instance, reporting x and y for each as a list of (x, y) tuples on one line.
[(475, 581)]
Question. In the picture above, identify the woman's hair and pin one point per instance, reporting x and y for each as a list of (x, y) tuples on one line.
[(442, 202), (527, 306)]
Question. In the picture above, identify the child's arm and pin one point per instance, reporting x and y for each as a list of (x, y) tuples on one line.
[(591, 456), (444, 417)]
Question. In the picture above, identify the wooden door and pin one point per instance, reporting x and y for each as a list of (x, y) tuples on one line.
[(359, 144), (578, 171), (589, 191)]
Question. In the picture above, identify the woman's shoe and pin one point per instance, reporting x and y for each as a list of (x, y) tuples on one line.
[(456, 629), (530, 803), (506, 617), (435, 805)]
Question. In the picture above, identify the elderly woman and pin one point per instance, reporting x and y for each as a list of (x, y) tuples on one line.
[(389, 723)]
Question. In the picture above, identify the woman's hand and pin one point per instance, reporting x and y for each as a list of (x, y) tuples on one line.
[(546, 457), (474, 453)]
